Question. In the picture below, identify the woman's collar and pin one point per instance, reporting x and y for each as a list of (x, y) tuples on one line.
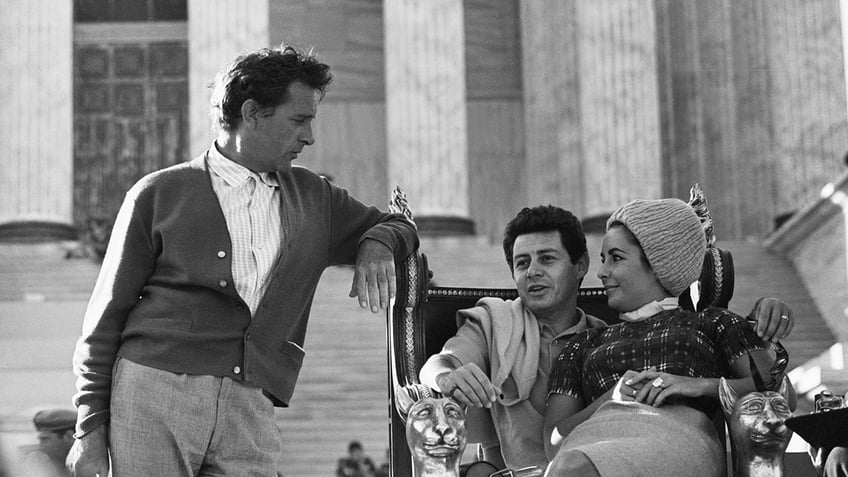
[(650, 309)]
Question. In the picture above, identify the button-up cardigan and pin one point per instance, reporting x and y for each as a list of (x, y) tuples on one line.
[(165, 296)]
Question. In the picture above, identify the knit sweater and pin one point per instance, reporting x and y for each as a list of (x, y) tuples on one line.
[(165, 296)]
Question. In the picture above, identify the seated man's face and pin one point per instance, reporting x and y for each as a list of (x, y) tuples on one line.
[(435, 428), (546, 279)]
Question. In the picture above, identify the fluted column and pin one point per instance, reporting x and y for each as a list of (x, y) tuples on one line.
[(591, 93), (552, 113), (218, 31), (426, 110), (36, 180), (807, 94), (619, 103)]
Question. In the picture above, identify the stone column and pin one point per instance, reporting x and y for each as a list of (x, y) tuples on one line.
[(218, 31), (426, 110), (36, 180), (591, 88), (807, 98)]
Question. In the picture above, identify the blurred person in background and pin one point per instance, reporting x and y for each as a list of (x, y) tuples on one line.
[(356, 464), (55, 429)]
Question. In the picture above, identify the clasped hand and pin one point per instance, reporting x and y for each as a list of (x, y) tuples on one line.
[(653, 388)]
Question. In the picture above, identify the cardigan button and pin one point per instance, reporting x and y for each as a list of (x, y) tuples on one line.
[(222, 284), (236, 370), (222, 254)]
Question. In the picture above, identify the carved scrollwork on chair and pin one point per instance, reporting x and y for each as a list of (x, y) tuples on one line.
[(715, 287)]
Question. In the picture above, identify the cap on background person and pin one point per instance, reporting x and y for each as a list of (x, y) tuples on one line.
[(54, 420)]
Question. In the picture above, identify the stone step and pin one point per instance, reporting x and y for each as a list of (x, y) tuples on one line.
[(342, 391)]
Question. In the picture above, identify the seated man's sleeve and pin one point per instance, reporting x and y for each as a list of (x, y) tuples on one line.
[(470, 345)]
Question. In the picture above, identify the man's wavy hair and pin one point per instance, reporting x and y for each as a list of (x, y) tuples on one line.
[(546, 218), (263, 76)]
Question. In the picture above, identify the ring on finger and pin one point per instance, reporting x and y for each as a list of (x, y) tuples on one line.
[(784, 317), (657, 383), (634, 393)]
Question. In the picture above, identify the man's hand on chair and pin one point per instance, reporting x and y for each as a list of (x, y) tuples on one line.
[(374, 276), (772, 319)]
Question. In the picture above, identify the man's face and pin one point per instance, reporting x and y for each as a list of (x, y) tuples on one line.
[(55, 445), (270, 142), (546, 280)]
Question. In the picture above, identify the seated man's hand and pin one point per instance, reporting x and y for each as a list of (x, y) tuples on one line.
[(374, 276), (773, 319), (468, 385)]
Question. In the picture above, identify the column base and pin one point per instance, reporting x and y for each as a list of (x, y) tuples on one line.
[(36, 231), (441, 225)]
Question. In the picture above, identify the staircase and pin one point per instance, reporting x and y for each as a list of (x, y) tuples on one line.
[(342, 391)]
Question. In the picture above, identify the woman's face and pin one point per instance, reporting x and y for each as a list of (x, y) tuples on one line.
[(628, 279)]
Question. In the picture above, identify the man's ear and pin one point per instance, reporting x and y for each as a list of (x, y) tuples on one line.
[(582, 266), (250, 112)]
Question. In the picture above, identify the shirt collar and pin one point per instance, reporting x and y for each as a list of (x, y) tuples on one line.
[(581, 325), (233, 173), (650, 309)]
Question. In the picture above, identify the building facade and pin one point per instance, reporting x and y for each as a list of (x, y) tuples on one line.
[(475, 108)]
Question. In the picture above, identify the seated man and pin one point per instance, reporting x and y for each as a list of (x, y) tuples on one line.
[(499, 362)]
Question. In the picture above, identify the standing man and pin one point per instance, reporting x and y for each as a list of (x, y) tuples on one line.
[(195, 328), (500, 360)]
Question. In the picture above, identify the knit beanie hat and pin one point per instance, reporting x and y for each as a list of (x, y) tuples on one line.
[(671, 237)]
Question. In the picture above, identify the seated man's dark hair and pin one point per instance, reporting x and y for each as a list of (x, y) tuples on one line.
[(354, 445), (546, 218), (263, 76)]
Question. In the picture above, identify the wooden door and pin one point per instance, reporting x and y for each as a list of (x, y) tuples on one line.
[(130, 118)]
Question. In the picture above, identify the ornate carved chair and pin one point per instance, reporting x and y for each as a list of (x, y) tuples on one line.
[(423, 317)]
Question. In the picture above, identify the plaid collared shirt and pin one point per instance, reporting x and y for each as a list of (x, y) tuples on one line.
[(251, 206), (677, 342)]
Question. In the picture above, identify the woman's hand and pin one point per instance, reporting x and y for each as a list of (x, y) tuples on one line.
[(628, 386), (654, 388)]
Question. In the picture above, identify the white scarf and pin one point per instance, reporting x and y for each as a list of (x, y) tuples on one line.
[(650, 309)]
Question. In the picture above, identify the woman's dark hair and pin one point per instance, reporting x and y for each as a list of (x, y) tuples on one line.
[(263, 76), (546, 218)]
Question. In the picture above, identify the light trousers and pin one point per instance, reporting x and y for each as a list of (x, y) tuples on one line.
[(164, 423)]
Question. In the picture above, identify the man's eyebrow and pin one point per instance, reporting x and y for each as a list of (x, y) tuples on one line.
[(548, 250)]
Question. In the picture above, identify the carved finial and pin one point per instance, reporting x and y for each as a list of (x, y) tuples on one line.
[(399, 205), (699, 203), (406, 396)]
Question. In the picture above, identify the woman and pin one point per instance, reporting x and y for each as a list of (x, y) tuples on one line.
[(637, 398)]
